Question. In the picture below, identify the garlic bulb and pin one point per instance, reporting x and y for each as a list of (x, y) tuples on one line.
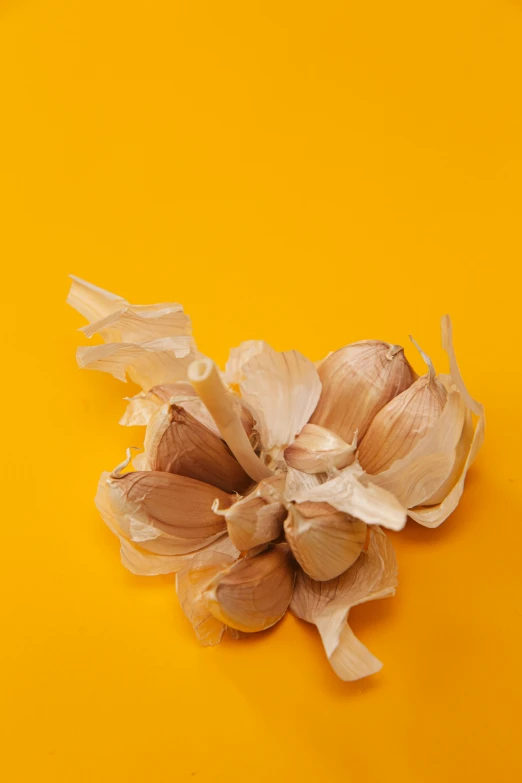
[(267, 487), (357, 381)]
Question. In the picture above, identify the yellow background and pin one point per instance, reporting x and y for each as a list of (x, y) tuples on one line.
[(309, 173)]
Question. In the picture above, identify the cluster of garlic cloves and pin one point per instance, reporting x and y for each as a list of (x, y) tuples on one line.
[(267, 487)]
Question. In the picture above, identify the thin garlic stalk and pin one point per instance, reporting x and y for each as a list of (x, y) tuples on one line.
[(204, 377)]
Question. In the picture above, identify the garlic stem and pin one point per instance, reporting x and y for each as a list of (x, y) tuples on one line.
[(204, 377)]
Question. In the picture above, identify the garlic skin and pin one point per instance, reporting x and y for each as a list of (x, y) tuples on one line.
[(151, 344), (327, 605), (402, 423), (324, 541), (357, 381), (255, 592), (283, 389), (176, 442), (191, 585), (318, 450)]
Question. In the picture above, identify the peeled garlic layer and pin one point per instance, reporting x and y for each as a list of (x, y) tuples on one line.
[(402, 423), (267, 487)]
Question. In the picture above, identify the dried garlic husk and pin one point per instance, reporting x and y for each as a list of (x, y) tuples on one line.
[(327, 605), (164, 513), (282, 389), (142, 406), (254, 593), (357, 381), (403, 422), (318, 450), (192, 583), (352, 492), (258, 517), (152, 344), (324, 541), (175, 442), (445, 499)]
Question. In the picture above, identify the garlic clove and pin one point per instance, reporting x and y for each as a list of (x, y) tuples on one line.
[(353, 492), (414, 478), (191, 585), (282, 389), (318, 450), (297, 481), (175, 442), (258, 517), (146, 364), (467, 448), (140, 561), (402, 423), (324, 541), (357, 381), (327, 605), (165, 513), (254, 593)]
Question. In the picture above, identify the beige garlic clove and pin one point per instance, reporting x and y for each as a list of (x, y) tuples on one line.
[(254, 593), (191, 585), (324, 541), (403, 422), (258, 517), (166, 513), (175, 442), (318, 450), (357, 381)]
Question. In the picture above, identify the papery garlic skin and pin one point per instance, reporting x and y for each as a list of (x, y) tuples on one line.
[(327, 605), (324, 541), (318, 450), (357, 381), (255, 592), (192, 583)]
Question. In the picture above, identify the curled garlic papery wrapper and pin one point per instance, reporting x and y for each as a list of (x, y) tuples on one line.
[(267, 487)]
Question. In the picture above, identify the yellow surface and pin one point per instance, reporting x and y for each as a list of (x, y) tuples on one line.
[(310, 173)]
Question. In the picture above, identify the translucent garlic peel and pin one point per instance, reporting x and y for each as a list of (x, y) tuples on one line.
[(327, 605)]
